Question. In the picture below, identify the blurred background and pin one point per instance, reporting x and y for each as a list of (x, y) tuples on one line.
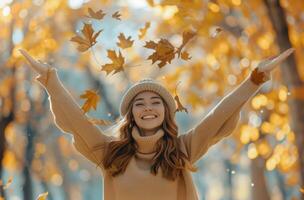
[(263, 159)]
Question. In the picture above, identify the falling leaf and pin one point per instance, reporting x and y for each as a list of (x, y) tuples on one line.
[(150, 2), (116, 15), (101, 122), (96, 15), (92, 99), (42, 196), (164, 52), (143, 31), (302, 190), (9, 182), (257, 77), (124, 42), (187, 36), (117, 62), (216, 32), (89, 38), (185, 55), (180, 107)]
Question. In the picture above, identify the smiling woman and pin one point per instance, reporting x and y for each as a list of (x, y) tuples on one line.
[(149, 159)]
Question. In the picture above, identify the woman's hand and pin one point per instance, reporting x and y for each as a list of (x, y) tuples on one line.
[(36, 65), (262, 72), (272, 62)]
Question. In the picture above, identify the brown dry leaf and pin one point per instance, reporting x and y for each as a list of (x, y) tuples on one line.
[(180, 107), (101, 122), (258, 77), (185, 55), (117, 62), (116, 15), (96, 15), (187, 36), (164, 52), (143, 31), (124, 42), (42, 196), (89, 38), (92, 99)]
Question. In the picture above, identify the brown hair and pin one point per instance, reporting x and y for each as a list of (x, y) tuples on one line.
[(169, 157)]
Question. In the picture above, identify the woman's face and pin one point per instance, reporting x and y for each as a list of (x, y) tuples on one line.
[(148, 112)]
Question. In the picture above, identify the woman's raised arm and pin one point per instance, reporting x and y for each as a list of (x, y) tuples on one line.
[(68, 116), (223, 118)]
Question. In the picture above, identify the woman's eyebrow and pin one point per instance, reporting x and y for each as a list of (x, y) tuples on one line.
[(154, 97)]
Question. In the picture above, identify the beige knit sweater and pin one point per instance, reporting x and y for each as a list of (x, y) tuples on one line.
[(137, 182)]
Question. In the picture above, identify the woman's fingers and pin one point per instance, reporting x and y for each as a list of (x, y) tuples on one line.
[(270, 63), (37, 66)]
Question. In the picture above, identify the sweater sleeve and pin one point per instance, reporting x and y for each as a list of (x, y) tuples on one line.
[(70, 118), (219, 122)]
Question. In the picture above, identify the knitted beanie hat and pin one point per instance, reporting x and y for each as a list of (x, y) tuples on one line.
[(147, 84)]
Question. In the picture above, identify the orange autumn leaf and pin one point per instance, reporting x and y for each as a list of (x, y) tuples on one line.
[(302, 190), (116, 15), (187, 36), (180, 107), (95, 15), (88, 40), (101, 122), (42, 196), (117, 62), (124, 42), (164, 52), (185, 55), (92, 99), (143, 31)]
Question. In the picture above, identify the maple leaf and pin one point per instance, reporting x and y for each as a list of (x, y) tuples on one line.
[(117, 62), (116, 15), (180, 107), (89, 38), (164, 52), (101, 122), (187, 36), (42, 196), (92, 99), (185, 55), (96, 15), (143, 31), (124, 42)]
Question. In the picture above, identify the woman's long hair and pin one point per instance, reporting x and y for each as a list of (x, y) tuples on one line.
[(169, 157)]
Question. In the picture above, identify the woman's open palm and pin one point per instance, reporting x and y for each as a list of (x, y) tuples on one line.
[(36, 65)]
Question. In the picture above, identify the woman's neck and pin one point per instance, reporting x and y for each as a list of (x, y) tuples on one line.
[(145, 132)]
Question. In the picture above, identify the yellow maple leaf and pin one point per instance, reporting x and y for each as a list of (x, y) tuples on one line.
[(92, 99), (42, 196), (117, 62), (88, 40), (187, 36), (185, 55), (143, 31), (95, 15), (116, 15), (164, 52), (124, 42)]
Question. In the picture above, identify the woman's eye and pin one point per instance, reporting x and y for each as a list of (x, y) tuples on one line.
[(156, 103), (138, 104)]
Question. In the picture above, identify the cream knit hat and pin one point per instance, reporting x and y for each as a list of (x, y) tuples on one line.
[(147, 84)]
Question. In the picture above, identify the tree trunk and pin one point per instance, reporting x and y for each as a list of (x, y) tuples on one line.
[(259, 189), (291, 79)]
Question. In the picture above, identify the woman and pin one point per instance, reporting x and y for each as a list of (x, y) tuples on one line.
[(149, 160)]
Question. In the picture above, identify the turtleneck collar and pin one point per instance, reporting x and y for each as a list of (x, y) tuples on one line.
[(146, 144)]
